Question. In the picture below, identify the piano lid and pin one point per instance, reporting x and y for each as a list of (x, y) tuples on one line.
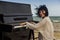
[(12, 8)]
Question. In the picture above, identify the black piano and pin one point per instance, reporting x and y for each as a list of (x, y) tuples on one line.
[(13, 15)]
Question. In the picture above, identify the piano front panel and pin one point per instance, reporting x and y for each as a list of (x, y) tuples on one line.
[(17, 19)]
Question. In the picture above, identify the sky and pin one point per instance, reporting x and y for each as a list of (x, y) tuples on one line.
[(52, 5)]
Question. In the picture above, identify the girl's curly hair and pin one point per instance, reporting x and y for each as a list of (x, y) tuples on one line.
[(42, 7)]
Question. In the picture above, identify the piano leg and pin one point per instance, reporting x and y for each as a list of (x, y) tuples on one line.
[(0, 35), (31, 33)]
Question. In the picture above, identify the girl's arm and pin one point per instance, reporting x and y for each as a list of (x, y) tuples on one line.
[(38, 25)]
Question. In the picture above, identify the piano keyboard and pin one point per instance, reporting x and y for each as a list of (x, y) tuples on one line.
[(19, 26)]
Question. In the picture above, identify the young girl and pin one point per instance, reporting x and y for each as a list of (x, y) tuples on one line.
[(45, 26)]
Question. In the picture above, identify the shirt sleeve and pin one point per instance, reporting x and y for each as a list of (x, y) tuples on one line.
[(38, 25)]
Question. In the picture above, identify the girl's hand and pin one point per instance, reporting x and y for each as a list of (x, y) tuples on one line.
[(22, 24)]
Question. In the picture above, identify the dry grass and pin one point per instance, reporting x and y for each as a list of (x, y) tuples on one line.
[(57, 35)]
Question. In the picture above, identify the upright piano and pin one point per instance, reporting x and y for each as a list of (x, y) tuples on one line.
[(15, 14)]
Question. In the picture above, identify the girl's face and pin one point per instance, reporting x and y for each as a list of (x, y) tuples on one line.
[(42, 13)]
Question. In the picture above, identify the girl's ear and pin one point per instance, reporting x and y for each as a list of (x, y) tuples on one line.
[(44, 12)]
